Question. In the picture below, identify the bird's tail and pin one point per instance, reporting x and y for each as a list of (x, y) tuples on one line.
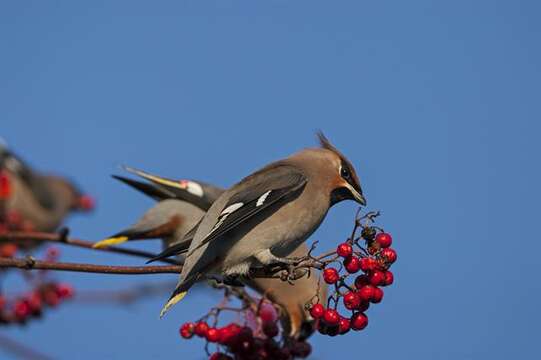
[(177, 295), (113, 240)]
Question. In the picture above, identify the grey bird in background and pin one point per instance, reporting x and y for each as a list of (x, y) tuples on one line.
[(41, 200), (181, 204), (174, 215), (264, 217)]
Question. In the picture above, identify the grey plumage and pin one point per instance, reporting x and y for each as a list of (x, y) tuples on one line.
[(307, 184)]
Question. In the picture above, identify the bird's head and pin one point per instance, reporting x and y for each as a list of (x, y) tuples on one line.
[(68, 194), (333, 171)]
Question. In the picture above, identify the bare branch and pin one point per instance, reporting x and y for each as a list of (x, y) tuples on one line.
[(63, 239), (30, 263)]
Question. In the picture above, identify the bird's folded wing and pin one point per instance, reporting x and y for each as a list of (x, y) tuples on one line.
[(270, 187), (179, 247)]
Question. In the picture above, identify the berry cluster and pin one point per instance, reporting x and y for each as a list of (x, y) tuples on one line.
[(44, 293), (373, 260), (31, 305), (259, 337)]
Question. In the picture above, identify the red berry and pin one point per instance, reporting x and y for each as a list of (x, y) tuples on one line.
[(64, 291), (270, 329), (377, 278), (229, 333), (5, 186), (330, 275), (52, 253), (13, 217), (300, 349), (384, 240), (331, 317), (186, 330), (21, 310), (317, 311), (212, 335), (344, 325), (366, 293), (86, 203), (361, 281), (352, 264), (220, 356), (389, 278), (2, 302), (352, 300), (377, 296), (367, 264), (35, 303), (201, 329), (267, 312), (8, 250), (359, 321), (364, 306), (389, 255), (344, 250), (51, 298)]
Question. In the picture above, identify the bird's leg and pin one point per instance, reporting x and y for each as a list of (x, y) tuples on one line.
[(266, 257), (232, 280), (228, 280)]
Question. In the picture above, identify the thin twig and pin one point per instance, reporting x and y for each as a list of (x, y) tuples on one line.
[(30, 263), (62, 239), (20, 350)]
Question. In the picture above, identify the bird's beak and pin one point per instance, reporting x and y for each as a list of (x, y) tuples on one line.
[(357, 196)]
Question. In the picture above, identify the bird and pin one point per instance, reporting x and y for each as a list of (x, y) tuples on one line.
[(264, 217), (178, 210), (42, 201), (181, 204)]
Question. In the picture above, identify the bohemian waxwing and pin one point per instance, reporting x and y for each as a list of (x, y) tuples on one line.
[(264, 217), (175, 203), (181, 204), (41, 201)]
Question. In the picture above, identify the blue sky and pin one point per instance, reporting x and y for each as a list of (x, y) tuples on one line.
[(436, 104)]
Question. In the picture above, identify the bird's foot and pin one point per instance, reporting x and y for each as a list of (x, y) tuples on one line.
[(232, 280)]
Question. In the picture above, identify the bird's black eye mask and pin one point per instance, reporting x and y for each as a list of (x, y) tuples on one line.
[(346, 173)]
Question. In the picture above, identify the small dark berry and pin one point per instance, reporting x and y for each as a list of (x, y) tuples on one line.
[(359, 321)]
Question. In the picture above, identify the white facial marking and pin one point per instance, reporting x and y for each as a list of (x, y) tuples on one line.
[(194, 189), (262, 198)]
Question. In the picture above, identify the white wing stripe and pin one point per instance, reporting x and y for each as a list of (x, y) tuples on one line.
[(232, 208), (262, 198)]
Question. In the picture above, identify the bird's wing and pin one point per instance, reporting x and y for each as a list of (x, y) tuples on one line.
[(179, 247), (197, 193), (268, 189)]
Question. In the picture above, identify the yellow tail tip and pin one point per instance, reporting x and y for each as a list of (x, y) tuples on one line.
[(109, 242), (175, 299)]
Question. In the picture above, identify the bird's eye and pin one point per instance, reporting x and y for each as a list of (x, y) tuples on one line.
[(344, 172)]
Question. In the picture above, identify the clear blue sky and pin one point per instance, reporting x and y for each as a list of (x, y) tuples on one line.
[(436, 103)]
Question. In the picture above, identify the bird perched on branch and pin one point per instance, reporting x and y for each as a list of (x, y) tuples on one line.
[(40, 202), (263, 218), (181, 204)]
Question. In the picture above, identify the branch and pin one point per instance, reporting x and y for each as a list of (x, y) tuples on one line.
[(30, 263), (20, 350), (62, 238)]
